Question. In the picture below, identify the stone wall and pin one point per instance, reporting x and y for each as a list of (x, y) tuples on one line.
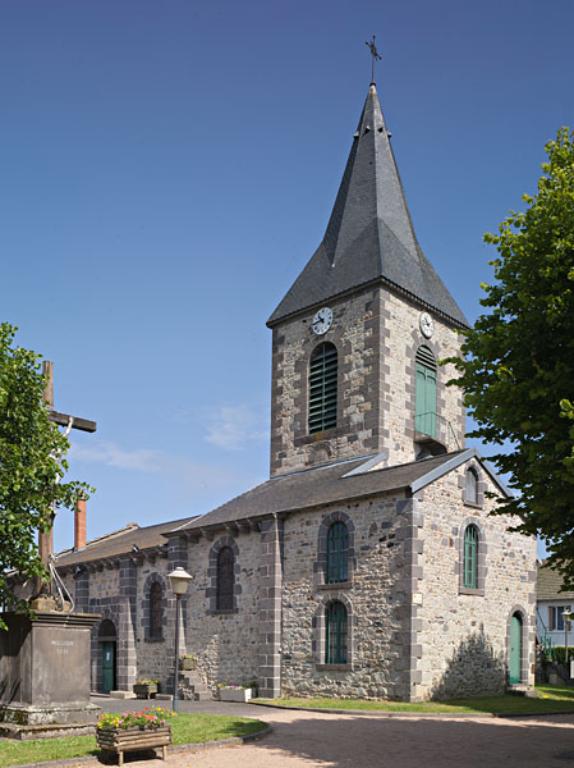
[(119, 592), (355, 333), (225, 642), (463, 634), (155, 656), (376, 596), (376, 334), (414, 630), (401, 337)]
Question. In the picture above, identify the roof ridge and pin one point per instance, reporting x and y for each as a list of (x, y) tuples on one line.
[(106, 537)]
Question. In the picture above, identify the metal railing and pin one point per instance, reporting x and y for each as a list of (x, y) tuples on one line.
[(420, 425), (543, 635)]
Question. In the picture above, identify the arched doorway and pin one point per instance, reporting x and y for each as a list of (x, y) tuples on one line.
[(515, 650), (107, 646)]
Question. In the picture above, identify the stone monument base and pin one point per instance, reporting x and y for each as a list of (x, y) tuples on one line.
[(54, 730), (45, 675)]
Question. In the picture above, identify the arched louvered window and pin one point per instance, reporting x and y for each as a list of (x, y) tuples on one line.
[(337, 553), (155, 601), (336, 633), (323, 388), (471, 486), (426, 376), (470, 557), (225, 579)]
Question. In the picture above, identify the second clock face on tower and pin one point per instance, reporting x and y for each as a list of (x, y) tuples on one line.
[(322, 321), (426, 325)]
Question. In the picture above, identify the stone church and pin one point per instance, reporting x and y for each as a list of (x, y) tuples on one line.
[(368, 564)]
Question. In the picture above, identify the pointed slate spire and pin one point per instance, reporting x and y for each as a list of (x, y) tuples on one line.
[(370, 237)]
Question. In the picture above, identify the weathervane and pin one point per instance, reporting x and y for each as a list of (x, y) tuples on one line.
[(376, 56)]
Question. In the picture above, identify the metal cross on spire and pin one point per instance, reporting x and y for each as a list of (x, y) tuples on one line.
[(375, 55)]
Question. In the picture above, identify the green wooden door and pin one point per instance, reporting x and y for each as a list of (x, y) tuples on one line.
[(108, 666), (425, 405), (515, 651)]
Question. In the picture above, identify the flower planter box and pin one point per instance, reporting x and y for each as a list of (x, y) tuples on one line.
[(235, 694), (145, 690), (120, 740)]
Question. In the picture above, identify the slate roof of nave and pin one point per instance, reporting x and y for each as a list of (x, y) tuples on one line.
[(370, 235), (548, 584), (339, 481), (132, 538)]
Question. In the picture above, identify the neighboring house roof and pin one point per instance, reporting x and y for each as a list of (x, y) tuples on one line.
[(548, 584), (132, 538), (370, 235), (339, 481)]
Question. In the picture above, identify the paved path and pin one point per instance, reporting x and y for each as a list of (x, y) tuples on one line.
[(304, 739)]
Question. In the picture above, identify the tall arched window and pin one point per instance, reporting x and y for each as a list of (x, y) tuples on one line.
[(425, 404), (335, 633), (323, 388), (155, 605), (470, 557), (337, 569), (225, 579), (471, 486)]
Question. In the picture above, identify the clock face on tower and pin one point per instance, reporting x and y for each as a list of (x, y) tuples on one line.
[(426, 325), (322, 321)]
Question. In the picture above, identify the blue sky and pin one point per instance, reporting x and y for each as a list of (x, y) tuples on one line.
[(167, 168)]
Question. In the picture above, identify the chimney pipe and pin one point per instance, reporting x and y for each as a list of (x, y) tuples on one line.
[(80, 524)]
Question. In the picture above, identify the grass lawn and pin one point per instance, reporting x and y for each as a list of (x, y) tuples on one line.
[(186, 729), (550, 700)]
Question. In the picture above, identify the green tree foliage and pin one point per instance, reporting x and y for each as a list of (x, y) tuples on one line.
[(32, 465), (518, 368)]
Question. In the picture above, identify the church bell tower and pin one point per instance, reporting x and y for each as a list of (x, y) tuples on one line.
[(358, 336)]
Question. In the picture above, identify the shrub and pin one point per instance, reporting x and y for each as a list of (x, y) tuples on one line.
[(557, 654)]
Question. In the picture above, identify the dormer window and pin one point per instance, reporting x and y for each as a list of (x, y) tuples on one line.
[(471, 486)]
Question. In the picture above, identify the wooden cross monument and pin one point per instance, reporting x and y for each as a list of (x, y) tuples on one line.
[(46, 539)]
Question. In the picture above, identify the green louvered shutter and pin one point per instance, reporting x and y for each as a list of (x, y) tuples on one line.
[(323, 388), (470, 565), (425, 404), (336, 633), (337, 553)]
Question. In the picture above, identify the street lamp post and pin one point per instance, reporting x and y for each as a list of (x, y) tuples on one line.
[(567, 617), (179, 580)]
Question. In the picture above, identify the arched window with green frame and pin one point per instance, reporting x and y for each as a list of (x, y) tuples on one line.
[(336, 621), (323, 368), (426, 385), (470, 557), (337, 567)]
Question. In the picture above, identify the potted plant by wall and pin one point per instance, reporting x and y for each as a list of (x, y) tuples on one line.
[(144, 689), (234, 692), (134, 731), (188, 662)]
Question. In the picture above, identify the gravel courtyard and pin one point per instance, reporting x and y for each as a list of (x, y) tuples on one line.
[(365, 741)]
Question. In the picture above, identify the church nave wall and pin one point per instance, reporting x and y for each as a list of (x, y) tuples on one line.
[(377, 599), (464, 636), (154, 653), (225, 642)]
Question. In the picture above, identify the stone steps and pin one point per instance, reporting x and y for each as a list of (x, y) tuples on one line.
[(192, 687)]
